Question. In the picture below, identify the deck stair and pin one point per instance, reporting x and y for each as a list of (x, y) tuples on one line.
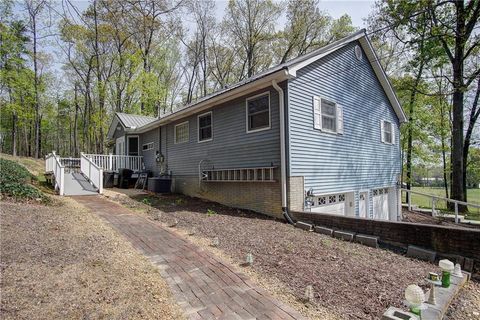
[(84, 175)]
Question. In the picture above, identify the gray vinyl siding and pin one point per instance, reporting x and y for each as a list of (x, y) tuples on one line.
[(232, 146), (149, 155), (356, 159)]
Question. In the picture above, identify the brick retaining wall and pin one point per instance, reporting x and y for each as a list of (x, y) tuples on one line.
[(448, 240)]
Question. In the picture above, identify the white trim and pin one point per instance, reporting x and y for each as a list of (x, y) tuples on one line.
[(149, 146), (127, 152), (382, 132), (120, 141), (382, 77), (337, 106), (266, 93), (175, 132), (198, 126)]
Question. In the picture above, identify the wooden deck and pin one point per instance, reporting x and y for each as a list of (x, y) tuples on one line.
[(77, 185)]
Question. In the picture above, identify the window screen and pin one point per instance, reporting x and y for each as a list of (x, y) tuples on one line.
[(205, 127), (258, 113), (181, 132)]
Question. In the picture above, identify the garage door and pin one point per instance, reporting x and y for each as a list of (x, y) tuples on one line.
[(380, 204), (332, 204)]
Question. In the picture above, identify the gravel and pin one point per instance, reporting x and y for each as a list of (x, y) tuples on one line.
[(351, 281), (63, 263)]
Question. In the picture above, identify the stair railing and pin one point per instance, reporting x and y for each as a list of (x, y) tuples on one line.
[(92, 172)]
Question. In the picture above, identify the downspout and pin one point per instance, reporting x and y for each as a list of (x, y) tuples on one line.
[(283, 162)]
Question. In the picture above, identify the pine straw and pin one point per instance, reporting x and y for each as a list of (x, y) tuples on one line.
[(64, 263), (351, 281)]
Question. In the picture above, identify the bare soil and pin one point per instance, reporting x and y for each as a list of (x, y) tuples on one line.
[(426, 218), (351, 281), (64, 263)]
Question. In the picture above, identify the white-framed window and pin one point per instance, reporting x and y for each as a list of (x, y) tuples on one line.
[(205, 127), (258, 112), (387, 132), (147, 146), (327, 115), (181, 132), (329, 199)]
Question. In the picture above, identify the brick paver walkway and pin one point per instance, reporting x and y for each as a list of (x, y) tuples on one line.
[(203, 285)]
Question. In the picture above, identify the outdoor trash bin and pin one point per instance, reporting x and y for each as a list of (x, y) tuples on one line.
[(124, 177), (159, 184), (108, 177)]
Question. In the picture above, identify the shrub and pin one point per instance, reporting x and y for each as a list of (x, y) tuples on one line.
[(211, 212), (14, 182), (12, 172)]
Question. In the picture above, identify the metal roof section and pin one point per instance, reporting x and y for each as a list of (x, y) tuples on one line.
[(133, 121), (280, 73)]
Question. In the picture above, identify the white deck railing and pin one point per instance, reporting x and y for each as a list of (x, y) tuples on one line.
[(112, 162), (53, 164), (92, 172), (435, 200)]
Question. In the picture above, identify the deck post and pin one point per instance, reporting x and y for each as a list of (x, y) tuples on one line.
[(110, 162), (409, 197), (62, 180), (456, 212), (433, 206)]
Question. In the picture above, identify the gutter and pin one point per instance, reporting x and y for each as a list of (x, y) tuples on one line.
[(283, 165)]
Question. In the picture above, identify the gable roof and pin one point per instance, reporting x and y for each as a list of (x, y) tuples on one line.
[(134, 120), (128, 121), (283, 72)]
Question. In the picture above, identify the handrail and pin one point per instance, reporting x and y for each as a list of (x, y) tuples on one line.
[(92, 172), (435, 198), (59, 173), (113, 162)]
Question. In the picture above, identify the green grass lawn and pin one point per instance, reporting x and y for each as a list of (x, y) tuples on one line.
[(473, 196)]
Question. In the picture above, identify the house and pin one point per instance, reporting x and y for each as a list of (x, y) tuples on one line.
[(319, 133)]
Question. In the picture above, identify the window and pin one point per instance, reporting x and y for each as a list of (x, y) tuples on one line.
[(205, 127), (147, 146), (327, 115), (387, 132), (258, 113), (181, 132)]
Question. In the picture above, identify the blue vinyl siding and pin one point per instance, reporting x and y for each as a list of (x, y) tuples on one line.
[(231, 146), (356, 159)]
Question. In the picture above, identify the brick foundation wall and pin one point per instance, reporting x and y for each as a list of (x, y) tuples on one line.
[(458, 241), (262, 197), (295, 193)]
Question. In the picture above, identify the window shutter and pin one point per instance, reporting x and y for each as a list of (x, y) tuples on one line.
[(339, 119), (381, 132), (317, 114), (393, 134)]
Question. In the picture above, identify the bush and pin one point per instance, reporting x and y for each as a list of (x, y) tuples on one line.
[(14, 182), (12, 172)]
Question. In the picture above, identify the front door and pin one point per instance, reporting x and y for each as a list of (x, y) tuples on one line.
[(132, 146), (363, 205)]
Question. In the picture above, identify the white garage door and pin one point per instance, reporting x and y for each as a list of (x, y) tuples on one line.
[(380, 204), (332, 204)]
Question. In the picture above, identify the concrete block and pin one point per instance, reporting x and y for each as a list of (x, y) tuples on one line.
[(468, 265), (323, 230), (344, 235), (303, 226), (367, 240), (421, 253), (393, 313)]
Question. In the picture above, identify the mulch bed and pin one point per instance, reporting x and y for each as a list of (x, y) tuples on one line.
[(351, 280), (63, 262)]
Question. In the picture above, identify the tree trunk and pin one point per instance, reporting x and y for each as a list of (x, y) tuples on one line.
[(35, 83), (14, 134)]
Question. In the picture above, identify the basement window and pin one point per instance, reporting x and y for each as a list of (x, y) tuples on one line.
[(258, 112)]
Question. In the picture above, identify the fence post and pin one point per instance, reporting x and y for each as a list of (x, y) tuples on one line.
[(409, 197), (456, 212), (62, 180), (433, 206), (100, 187), (110, 162)]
